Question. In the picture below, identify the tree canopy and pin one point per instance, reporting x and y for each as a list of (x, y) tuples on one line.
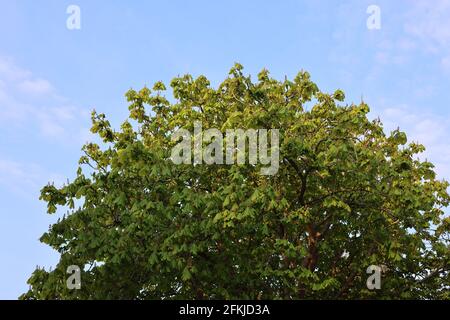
[(347, 195)]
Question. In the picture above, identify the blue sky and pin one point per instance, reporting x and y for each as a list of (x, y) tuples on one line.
[(52, 77)]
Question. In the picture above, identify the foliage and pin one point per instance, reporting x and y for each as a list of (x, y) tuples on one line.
[(145, 228)]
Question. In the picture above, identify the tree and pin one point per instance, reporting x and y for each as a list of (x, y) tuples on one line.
[(346, 196)]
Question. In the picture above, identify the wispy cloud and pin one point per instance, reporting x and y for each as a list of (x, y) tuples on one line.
[(425, 128), (35, 87), (34, 117), (25, 177), (445, 62), (10, 71), (428, 23), (31, 102)]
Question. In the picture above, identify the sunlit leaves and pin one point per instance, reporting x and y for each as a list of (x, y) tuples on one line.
[(346, 196)]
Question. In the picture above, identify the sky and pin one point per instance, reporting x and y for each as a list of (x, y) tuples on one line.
[(51, 77)]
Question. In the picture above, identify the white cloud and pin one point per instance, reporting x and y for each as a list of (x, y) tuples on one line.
[(32, 103), (420, 27), (427, 26), (384, 57), (425, 128), (406, 44), (35, 86), (10, 71), (32, 114), (445, 62), (429, 23), (25, 177)]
